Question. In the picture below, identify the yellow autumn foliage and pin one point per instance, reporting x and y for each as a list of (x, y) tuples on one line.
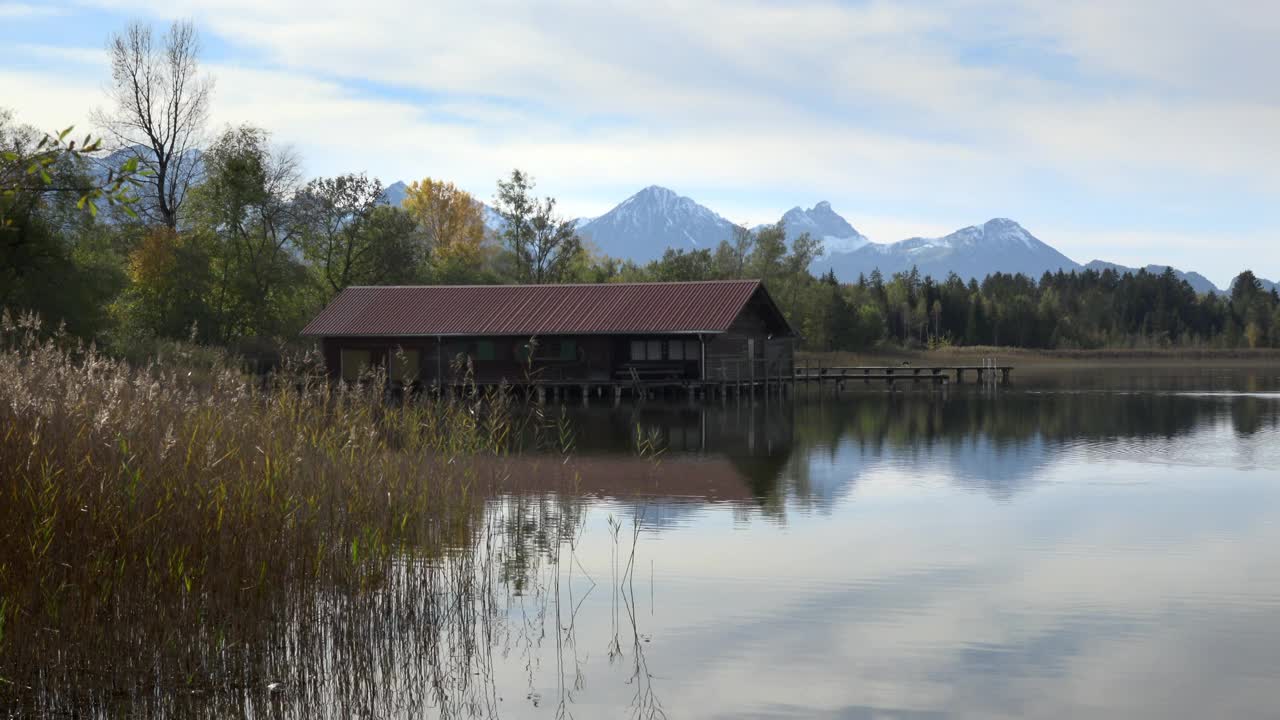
[(451, 223), (152, 262)]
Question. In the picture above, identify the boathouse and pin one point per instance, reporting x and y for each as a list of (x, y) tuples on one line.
[(598, 334)]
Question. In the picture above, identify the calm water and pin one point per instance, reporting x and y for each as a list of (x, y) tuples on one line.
[(1082, 544), (1098, 545)]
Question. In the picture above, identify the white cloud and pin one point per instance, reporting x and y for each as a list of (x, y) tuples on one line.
[(959, 108)]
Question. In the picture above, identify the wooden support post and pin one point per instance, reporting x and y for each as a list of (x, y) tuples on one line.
[(440, 361), (586, 396), (617, 395)]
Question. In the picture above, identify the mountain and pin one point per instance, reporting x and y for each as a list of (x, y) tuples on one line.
[(492, 219), (1198, 282), (394, 195), (652, 220), (823, 223), (999, 245), (644, 225)]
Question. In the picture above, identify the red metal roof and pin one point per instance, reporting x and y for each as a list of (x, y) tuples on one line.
[(528, 310)]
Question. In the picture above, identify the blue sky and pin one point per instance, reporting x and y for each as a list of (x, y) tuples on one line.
[(1142, 131)]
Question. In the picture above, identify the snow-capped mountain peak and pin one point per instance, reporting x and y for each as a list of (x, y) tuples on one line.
[(998, 245), (644, 225), (824, 223)]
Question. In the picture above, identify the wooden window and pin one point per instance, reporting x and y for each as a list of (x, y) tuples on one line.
[(653, 350), (485, 351), (692, 350), (637, 349), (524, 351), (354, 363), (675, 349), (404, 365), (568, 349)]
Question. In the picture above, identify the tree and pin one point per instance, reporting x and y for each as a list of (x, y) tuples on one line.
[(768, 251), (544, 245), (160, 107), (27, 168), (53, 259), (245, 209), (349, 237), (169, 282), (679, 265), (731, 255), (452, 227), (394, 251)]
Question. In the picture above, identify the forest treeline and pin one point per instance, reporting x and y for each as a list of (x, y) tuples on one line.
[(218, 237)]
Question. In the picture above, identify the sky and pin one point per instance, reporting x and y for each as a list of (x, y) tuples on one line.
[(1142, 131)]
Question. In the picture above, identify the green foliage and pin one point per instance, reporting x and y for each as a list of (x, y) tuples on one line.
[(544, 246), (31, 170), (349, 238), (245, 216)]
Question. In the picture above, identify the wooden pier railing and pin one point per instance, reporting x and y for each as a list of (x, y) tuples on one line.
[(749, 379), (892, 373)]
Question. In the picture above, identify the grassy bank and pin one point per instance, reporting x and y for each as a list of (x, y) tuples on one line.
[(181, 529)]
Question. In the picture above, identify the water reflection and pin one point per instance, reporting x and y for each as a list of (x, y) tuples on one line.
[(1044, 551), (811, 452)]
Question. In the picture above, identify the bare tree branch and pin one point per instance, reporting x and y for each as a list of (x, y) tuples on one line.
[(160, 106)]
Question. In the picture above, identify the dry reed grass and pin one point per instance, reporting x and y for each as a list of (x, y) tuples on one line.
[(175, 538)]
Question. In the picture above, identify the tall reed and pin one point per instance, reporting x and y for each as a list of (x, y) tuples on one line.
[(181, 528)]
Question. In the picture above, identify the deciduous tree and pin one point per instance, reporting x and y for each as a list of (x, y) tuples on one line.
[(349, 237), (159, 108), (245, 207), (452, 228), (544, 245)]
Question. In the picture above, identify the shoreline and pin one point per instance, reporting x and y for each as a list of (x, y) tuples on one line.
[(1023, 358)]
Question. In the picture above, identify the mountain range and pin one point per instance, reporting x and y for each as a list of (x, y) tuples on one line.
[(999, 245), (654, 219), (644, 225), (1198, 282)]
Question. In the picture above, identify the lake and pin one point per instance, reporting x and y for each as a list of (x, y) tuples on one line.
[(1090, 542)]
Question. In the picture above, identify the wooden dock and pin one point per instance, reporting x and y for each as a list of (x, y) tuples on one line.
[(894, 373), (818, 377)]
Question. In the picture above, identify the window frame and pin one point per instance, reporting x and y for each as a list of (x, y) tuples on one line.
[(414, 366), (367, 363), (650, 346), (693, 350), (567, 351)]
